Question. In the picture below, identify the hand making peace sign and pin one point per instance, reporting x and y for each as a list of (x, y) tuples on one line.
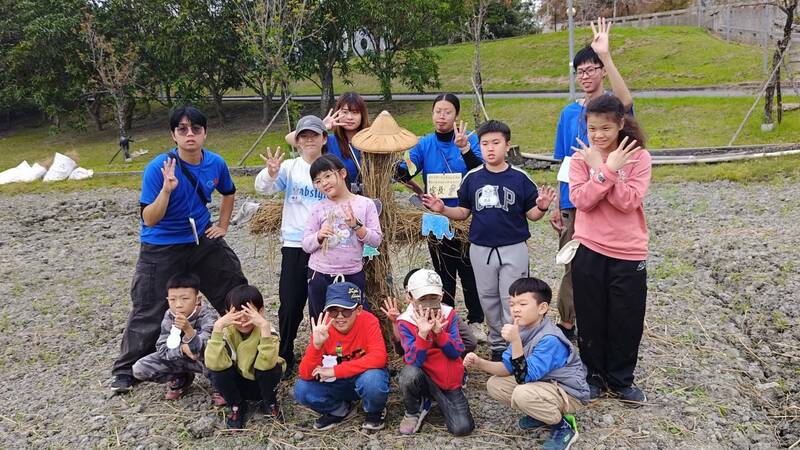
[(461, 138), (273, 161)]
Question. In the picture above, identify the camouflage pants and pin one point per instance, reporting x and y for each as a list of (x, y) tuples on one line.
[(159, 370)]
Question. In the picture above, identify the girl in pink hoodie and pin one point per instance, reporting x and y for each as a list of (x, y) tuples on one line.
[(608, 182)]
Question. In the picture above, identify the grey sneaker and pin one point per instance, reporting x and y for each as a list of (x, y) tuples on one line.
[(411, 422)]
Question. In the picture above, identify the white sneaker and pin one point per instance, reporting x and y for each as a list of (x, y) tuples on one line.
[(477, 331)]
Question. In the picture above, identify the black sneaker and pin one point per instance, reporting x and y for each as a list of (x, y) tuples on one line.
[(272, 411), (328, 421), (497, 355), (375, 421), (236, 416), (122, 384), (569, 333), (595, 392), (631, 394)]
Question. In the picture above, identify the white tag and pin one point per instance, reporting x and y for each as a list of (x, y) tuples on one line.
[(563, 171), (329, 361), (194, 230), (444, 185), (174, 339)]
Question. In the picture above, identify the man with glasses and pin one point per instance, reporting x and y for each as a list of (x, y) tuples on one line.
[(591, 64), (345, 362), (177, 235)]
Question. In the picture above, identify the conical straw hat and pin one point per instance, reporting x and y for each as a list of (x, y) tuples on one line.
[(384, 136)]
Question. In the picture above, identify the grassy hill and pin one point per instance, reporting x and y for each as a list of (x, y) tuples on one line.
[(657, 57)]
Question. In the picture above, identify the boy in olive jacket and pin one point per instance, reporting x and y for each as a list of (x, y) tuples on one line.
[(242, 356)]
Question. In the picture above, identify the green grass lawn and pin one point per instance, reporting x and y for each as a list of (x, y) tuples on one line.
[(657, 57), (676, 122)]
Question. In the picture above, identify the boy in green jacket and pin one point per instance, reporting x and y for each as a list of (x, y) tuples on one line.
[(242, 356)]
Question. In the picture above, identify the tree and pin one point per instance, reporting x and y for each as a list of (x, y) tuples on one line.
[(271, 32), (39, 63), (773, 89), (475, 27), (398, 33), (116, 68)]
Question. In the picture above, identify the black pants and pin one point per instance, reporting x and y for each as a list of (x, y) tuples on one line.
[(235, 388), (415, 385), (318, 283), (212, 261), (293, 292), (450, 257), (610, 298)]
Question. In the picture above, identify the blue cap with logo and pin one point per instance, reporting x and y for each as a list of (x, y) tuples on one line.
[(344, 295)]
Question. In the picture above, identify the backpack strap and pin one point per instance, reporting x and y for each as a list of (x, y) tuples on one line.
[(189, 176)]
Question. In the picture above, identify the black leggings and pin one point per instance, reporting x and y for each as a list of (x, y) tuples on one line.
[(235, 388)]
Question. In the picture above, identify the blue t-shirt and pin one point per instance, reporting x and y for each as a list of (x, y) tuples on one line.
[(499, 202), (174, 228), (571, 127), (350, 164), (431, 155)]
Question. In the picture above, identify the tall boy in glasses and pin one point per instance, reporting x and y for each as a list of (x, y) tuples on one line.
[(345, 362), (591, 64), (178, 235)]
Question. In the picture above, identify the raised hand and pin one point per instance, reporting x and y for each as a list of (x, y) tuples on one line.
[(621, 156), (545, 198), (424, 320), (510, 331), (349, 217), (600, 41), (183, 323), (232, 317), (168, 172), (439, 321), (253, 317), (273, 161), (332, 119), (390, 308), (320, 330), (433, 203), (590, 155), (461, 138)]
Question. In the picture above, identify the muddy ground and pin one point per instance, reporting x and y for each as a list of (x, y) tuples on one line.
[(719, 360)]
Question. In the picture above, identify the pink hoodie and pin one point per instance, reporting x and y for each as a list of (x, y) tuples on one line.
[(610, 216)]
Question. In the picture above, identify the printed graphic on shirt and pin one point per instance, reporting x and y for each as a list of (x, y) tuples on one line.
[(344, 236), (300, 192), (488, 197)]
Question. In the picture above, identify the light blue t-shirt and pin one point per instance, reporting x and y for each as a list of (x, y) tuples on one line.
[(184, 202)]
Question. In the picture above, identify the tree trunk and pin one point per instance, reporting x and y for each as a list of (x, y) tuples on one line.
[(476, 63), (217, 95), (326, 99), (130, 107), (385, 81), (95, 111)]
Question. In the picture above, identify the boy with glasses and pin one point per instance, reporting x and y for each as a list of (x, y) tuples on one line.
[(345, 362), (178, 235), (591, 64)]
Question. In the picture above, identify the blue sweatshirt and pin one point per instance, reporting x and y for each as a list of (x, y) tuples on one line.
[(431, 155)]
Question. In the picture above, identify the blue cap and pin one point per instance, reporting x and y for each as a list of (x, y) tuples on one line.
[(344, 295)]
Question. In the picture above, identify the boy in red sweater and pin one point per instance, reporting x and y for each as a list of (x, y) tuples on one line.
[(432, 344), (345, 361)]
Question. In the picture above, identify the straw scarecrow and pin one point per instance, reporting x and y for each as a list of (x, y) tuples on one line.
[(381, 146)]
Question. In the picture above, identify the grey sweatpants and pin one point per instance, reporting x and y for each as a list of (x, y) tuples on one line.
[(495, 269)]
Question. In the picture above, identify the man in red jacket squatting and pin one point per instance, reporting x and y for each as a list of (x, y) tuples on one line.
[(433, 347), (345, 361)]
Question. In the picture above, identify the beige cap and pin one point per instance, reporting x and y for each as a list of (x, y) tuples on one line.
[(384, 136)]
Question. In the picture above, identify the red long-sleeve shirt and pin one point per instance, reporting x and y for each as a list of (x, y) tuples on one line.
[(610, 214), (359, 350)]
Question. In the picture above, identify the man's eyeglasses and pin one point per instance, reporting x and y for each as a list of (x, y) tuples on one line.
[(588, 72), (336, 312), (183, 130)]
